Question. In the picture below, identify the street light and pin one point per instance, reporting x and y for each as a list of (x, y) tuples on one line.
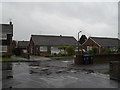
[(118, 42), (78, 39)]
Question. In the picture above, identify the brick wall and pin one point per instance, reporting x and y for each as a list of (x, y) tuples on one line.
[(78, 60), (98, 58), (106, 57)]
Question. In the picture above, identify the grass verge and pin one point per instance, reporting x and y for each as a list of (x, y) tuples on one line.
[(65, 57), (9, 59), (106, 72)]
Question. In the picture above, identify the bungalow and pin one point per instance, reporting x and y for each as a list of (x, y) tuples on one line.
[(6, 39), (23, 46), (102, 43), (45, 44)]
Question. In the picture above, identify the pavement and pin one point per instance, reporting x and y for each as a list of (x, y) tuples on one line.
[(57, 74), (32, 58), (39, 58)]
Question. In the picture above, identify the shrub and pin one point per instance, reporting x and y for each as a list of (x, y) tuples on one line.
[(108, 51), (16, 51), (62, 47), (95, 50), (70, 50), (80, 52), (90, 52), (118, 49)]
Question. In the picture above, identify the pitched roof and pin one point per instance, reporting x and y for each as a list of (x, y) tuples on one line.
[(6, 28), (47, 40), (82, 39), (104, 41), (23, 43)]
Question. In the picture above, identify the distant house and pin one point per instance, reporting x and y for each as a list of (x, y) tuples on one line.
[(6, 39), (82, 39), (23, 46), (45, 44), (102, 43)]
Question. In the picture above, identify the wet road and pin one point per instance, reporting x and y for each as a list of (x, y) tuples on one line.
[(56, 74)]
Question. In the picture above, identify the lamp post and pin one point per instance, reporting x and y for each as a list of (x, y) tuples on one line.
[(78, 40), (118, 42)]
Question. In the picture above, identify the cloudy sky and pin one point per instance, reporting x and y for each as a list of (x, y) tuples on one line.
[(61, 18)]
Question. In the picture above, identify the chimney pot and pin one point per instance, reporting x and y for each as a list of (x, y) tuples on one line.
[(10, 23)]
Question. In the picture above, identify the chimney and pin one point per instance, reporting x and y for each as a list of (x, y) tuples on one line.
[(10, 23)]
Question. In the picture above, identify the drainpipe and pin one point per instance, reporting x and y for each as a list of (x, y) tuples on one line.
[(99, 50)]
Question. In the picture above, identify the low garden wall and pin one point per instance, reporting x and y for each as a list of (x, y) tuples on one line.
[(98, 58), (78, 59), (106, 57), (115, 70)]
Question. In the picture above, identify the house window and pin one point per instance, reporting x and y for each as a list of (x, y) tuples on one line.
[(76, 48), (55, 50), (89, 48), (24, 51), (3, 36), (113, 49), (3, 48), (43, 48)]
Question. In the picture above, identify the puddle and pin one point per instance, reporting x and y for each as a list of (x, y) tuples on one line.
[(66, 61)]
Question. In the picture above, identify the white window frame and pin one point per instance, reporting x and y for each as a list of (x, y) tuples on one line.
[(89, 48), (55, 50), (3, 36), (24, 50), (113, 49), (3, 50), (43, 49)]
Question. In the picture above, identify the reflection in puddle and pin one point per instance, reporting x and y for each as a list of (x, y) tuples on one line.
[(66, 61)]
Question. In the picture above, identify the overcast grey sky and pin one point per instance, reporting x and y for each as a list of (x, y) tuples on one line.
[(62, 18)]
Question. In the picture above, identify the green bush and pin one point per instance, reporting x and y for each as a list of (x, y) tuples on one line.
[(94, 50), (62, 47), (90, 52), (70, 50), (80, 52), (118, 49), (16, 51), (109, 51)]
